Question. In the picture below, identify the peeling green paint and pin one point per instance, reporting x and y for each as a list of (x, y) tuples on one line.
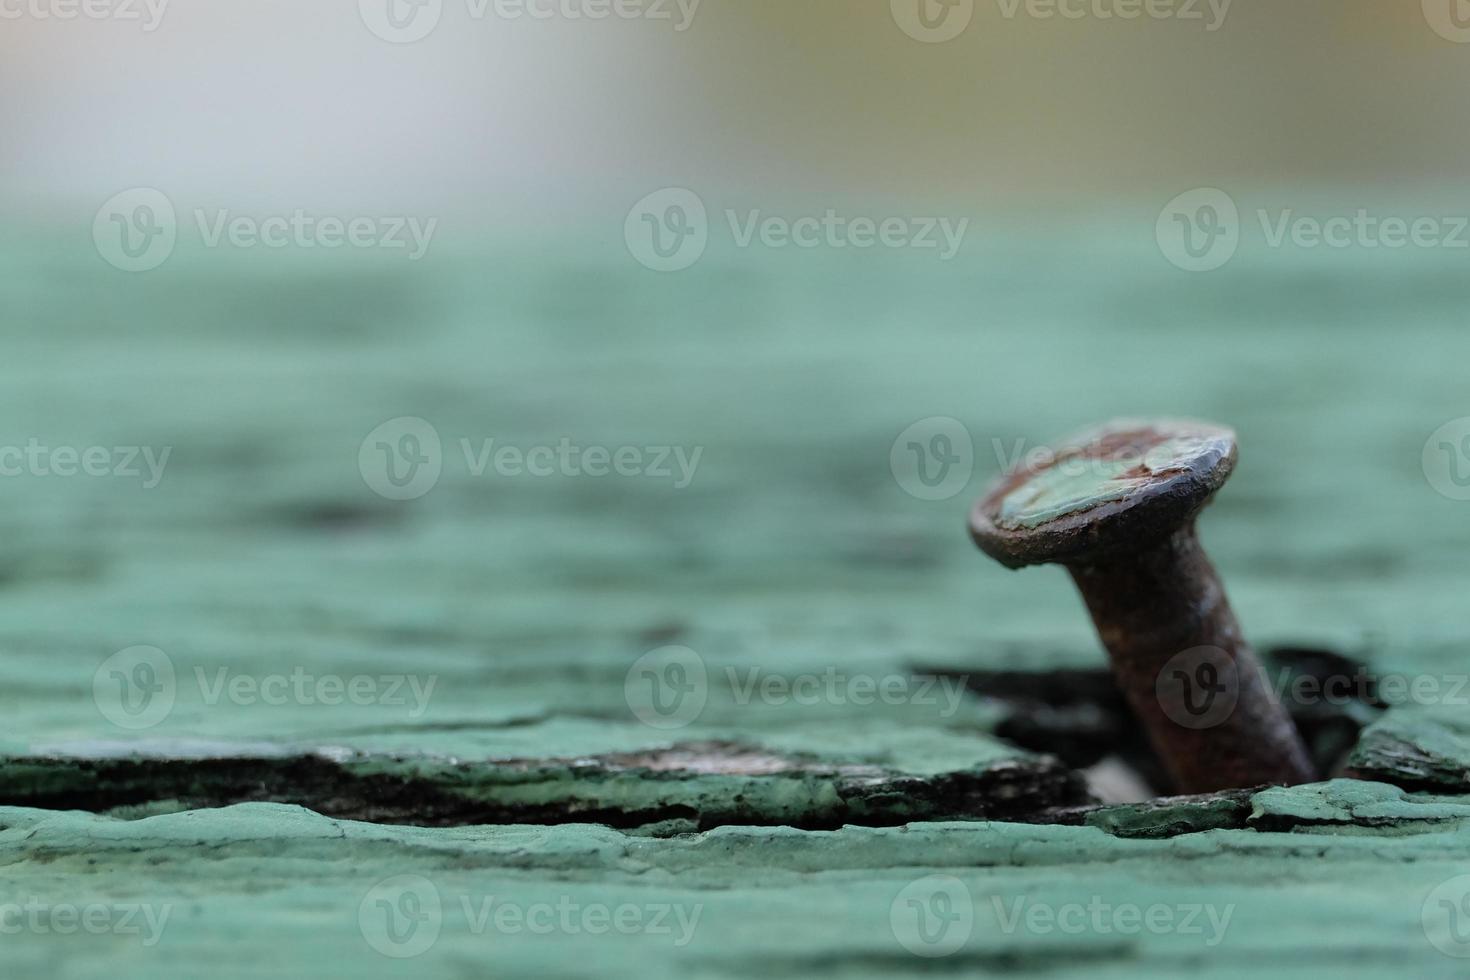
[(767, 899), (1078, 480), (794, 551)]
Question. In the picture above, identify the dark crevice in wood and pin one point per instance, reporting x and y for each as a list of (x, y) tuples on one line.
[(1073, 718), (1080, 717), (577, 791)]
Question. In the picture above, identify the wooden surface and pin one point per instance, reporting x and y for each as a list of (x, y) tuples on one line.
[(803, 829)]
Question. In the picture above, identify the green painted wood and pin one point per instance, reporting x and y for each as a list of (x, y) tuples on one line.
[(792, 553), (209, 885)]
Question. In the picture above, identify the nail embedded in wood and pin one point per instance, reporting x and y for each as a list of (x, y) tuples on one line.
[(1116, 506)]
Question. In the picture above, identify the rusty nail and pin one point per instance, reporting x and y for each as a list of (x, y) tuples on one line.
[(1116, 506)]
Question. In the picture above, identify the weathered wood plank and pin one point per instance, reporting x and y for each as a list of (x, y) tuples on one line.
[(792, 553), (732, 902)]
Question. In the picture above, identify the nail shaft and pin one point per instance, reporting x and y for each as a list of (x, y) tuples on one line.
[(1192, 680)]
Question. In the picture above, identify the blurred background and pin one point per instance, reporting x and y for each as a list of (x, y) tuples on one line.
[(569, 411), (532, 111), (316, 249)]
